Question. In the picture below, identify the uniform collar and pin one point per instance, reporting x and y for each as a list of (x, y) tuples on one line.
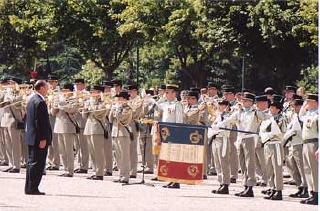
[(277, 116), (137, 97), (248, 109), (193, 106), (266, 111), (233, 102), (214, 96), (172, 101)]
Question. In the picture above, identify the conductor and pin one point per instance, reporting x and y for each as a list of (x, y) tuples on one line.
[(38, 136)]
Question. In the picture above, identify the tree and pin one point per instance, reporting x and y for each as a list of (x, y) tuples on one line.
[(26, 31), (93, 27), (189, 37), (273, 51), (90, 73), (188, 41), (310, 79), (62, 60)]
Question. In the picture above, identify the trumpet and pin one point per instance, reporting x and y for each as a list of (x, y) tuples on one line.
[(63, 97), (9, 86), (90, 105), (25, 89), (81, 97), (85, 110), (16, 86), (72, 100), (26, 86), (4, 102), (93, 106), (204, 105), (9, 104), (65, 104), (212, 110)]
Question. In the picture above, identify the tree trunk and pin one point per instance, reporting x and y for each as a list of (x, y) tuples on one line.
[(108, 74)]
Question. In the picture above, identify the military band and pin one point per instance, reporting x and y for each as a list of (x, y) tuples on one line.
[(105, 129)]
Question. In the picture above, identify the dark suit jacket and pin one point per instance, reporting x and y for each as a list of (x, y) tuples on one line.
[(37, 123)]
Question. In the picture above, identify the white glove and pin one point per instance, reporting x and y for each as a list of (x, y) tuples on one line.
[(214, 128)]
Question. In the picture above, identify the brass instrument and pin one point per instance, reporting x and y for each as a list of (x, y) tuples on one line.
[(67, 98), (65, 105), (6, 104), (85, 111), (107, 101), (204, 105), (15, 100), (89, 108), (13, 86), (25, 86), (61, 102), (15, 95), (146, 121), (11, 103), (236, 107), (89, 101), (25, 89), (212, 110), (52, 98), (17, 87)]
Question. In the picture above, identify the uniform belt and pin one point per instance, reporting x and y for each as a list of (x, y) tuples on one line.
[(313, 140), (251, 138), (273, 142), (247, 136)]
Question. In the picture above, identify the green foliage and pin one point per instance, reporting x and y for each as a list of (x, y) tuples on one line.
[(61, 60), (35, 19), (90, 73), (27, 29), (94, 27), (306, 29), (310, 79), (186, 41), (171, 77)]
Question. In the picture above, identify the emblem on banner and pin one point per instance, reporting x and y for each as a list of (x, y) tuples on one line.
[(193, 170), (195, 137), (164, 170), (165, 133)]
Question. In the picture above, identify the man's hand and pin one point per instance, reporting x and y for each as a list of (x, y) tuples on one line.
[(317, 154), (42, 144)]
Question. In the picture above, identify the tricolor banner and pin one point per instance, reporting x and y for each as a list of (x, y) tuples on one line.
[(182, 152)]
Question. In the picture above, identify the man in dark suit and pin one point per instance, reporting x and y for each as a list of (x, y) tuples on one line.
[(38, 136)]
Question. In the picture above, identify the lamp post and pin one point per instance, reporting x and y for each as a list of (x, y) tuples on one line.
[(138, 61), (242, 75)]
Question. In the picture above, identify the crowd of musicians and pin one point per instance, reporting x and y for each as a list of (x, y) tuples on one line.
[(104, 129)]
